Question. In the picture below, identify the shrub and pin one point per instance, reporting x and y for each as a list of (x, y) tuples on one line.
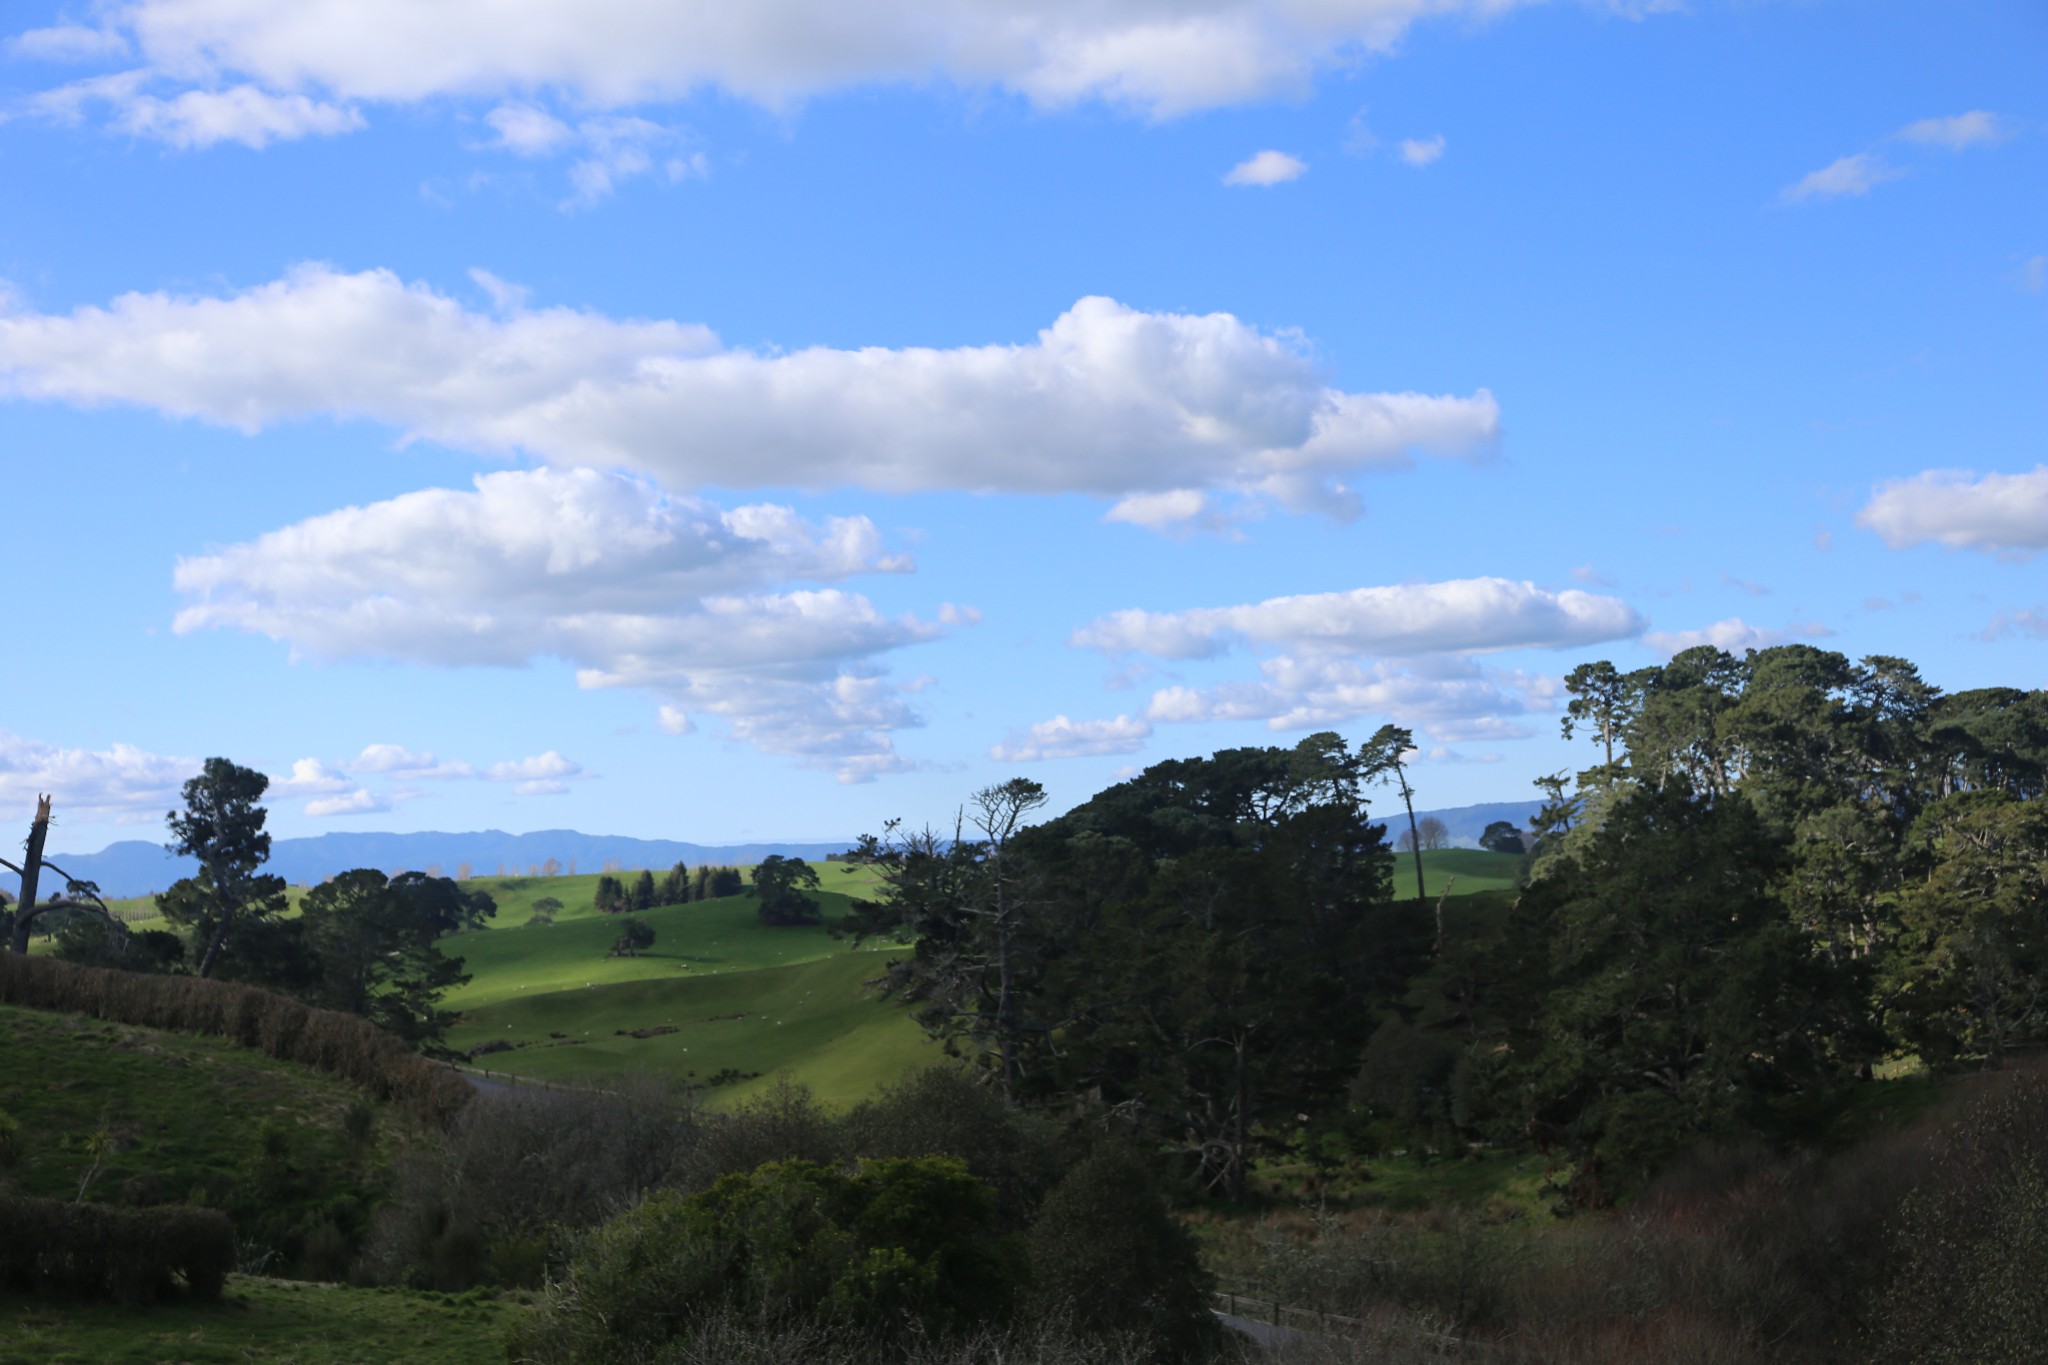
[(943, 1111), (102, 1252), (888, 1247), (1107, 1256), (518, 1166), (1972, 1240)]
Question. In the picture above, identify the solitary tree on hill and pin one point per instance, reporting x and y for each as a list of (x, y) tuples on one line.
[(221, 826), (634, 935), (1502, 837), (780, 883)]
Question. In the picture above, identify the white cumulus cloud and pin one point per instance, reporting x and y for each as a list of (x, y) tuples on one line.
[(634, 588), (1453, 698), (1108, 400), (1266, 168), (1997, 513), (1460, 615), (1733, 635), (1160, 58), (198, 118), (121, 783), (396, 758), (1062, 737), (311, 777), (359, 801)]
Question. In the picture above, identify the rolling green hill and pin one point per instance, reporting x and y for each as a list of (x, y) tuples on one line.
[(138, 1116), (1466, 870), (719, 994)]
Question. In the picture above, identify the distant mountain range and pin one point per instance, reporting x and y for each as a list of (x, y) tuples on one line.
[(136, 867), (1465, 823)]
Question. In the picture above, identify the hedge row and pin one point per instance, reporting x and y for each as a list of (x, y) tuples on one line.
[(342, 1044), (102, 1251)]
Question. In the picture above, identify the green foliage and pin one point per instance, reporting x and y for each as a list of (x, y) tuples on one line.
[(92, 940), (675, 886), (1202, 945), (635, 936), (1967, 974), (1679, 1000), (889, 1246), (1108, 1257), (142, 1117), (96, 1251), (611, 896), (221, 826), (780, 884), (373, 945), (1502, 836)]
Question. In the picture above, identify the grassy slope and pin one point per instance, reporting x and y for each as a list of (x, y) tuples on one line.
[(185, 1114), (1467, 870), (806, 1012), (278, 1322)]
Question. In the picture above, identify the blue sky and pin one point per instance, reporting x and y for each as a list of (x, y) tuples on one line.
[(712, 423)]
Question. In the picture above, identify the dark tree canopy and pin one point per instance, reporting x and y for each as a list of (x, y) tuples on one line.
[(1502, 836), (222, 827), (780, 884), (1200, 947), (373, 945)]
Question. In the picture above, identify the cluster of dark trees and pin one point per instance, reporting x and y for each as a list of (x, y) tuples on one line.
[(677, 886), (363, 943), (1783, 869), (1202, 950)]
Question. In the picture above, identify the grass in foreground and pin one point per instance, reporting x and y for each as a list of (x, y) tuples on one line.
[(183, 1117), (278, 1322)]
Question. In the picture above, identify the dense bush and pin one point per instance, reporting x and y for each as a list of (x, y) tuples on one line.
[(1971, 1241), (496, 1196), (1108, 1258), (943, 1110), (97, 1251), (885, 1247), (341, 1044)]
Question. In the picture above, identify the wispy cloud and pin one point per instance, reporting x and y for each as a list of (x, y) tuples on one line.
[(1957, 132), (1419, 152), (1851, 175)]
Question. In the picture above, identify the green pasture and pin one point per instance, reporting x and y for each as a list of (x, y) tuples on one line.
[(271, 1322), (170, 1117), (702, 938), (1463, 870), (816, 1021)]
